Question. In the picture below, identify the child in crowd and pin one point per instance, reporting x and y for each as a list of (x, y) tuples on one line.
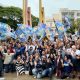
[(19, 65)]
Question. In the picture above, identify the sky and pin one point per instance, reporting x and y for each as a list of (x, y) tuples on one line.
[(50, 6)]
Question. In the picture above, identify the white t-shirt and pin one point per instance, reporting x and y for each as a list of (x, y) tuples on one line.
[(32, 47), (8, 58), (68, 50), (77, 52)]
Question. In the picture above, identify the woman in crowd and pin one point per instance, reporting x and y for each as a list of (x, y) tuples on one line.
[(19, 65), (8, 57), (67, 67), (42, 59)]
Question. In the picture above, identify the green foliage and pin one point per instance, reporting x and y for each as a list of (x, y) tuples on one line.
[(13, 16), (10, 12), (12, 23), (74, 27), (35, 21)]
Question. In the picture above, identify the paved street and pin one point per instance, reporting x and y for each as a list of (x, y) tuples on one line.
[(22, 77), (13, 76)]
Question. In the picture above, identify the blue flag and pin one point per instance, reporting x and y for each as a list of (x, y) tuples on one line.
[(19, 25), (59, 26), (67, 23)]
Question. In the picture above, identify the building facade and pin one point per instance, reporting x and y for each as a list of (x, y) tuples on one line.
[(57, 17), (49, 22), (72, 14)]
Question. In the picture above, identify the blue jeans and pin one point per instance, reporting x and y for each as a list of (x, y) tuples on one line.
[(34, 71), (47, 72), (37, 73), (7, 68), (1, 67)]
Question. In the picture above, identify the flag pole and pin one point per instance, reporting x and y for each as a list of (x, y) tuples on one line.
[(55, 25)]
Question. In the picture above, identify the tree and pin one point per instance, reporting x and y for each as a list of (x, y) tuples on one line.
[(74, 26), (13, 16), (35, 21)]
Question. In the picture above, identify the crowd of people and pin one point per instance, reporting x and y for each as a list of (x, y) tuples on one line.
[(41, 59)]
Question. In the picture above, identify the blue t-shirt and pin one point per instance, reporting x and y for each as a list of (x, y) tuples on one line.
[(67, 67)]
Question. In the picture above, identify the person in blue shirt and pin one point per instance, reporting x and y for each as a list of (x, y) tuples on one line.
[(18, 50), (67, 67)]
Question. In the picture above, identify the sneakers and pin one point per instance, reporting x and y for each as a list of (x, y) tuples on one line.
[(35, 77), (2, 78), (26, 72)]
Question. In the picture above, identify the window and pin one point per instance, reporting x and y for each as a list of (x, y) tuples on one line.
[(78, 14), (71, 14), (64, 13)]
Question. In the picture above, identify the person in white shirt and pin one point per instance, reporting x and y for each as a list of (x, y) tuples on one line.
[(7, 60)]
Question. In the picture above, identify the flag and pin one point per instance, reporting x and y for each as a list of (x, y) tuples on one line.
[(23, 39), (61, 36), (19, 25), (43, 26), (67, 23), (14, 35), (41, 31), (18, 32), (52, 36), (60, 26), (3, 27), (2, 36)]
